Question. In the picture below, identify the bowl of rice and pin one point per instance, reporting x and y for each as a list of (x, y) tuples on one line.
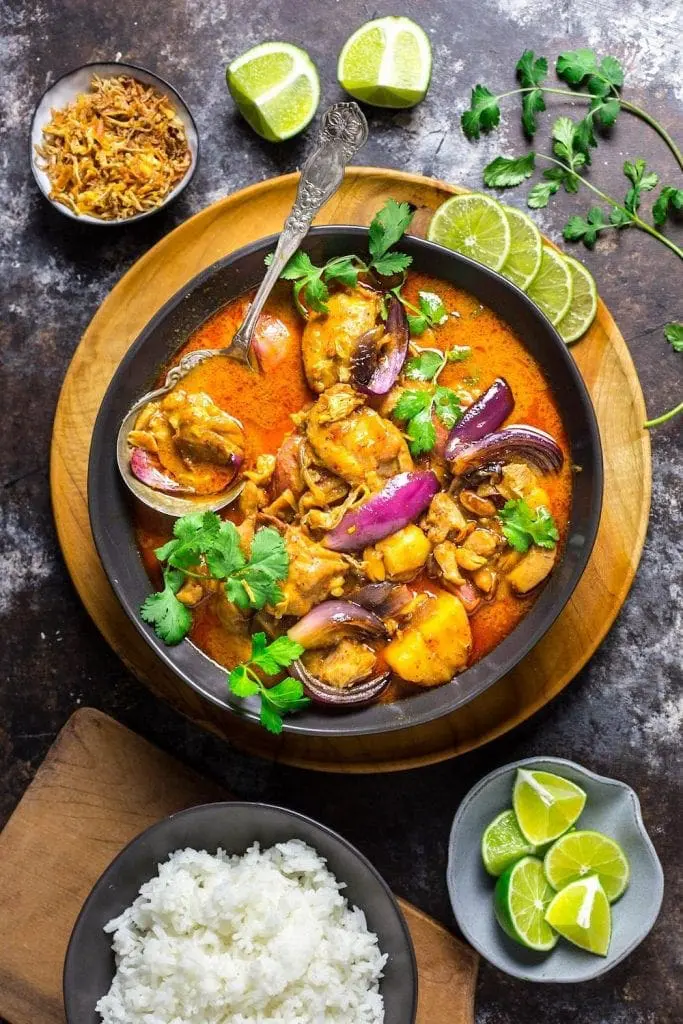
[(240, 912)]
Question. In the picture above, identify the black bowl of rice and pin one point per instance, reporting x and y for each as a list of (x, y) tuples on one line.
[(240, 911)]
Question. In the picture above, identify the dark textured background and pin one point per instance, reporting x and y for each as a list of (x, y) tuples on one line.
[(622, 715)]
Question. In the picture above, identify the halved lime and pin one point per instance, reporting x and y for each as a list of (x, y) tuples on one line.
[(580, 913), (582, 853), (476, 226), (502, 844), (551, 289), (520, 901), (526, 249), (584, 304), (545, 805), (386, 62), (276, 88)]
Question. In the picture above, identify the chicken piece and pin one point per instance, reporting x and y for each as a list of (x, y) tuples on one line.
[(346, 663), (444, 556), (482, 542), (262, 471), (191, 593), (485, 579), (315, 573), (322, 488), (398, 557), (287, 472), (444, 519), (532, 569), (478, 506), (354, 442), (330, 339), (469, 560), (435, 646), (520, 481), (252, 498)]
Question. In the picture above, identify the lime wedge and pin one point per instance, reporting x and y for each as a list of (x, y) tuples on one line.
[(526, 249), (551, 289), (474, 225), (583, 853), (581, 914), (276, 89), (520, 901), (545, 805), (502, 844), (387, 63), (584, 304)]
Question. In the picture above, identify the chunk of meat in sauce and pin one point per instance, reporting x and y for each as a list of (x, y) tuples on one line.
[(355, 442), (315, 573), (435, 646), (347, 663), (520, 481), (444, 519), (532, 569), (330, 339)]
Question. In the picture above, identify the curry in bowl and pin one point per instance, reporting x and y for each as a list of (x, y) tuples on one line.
[(407, 492)]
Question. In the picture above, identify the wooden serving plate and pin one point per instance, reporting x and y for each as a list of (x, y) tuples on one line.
[(605, 364), (100, 786)]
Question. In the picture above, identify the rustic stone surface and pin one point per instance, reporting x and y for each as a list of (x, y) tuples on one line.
[(623, 715)]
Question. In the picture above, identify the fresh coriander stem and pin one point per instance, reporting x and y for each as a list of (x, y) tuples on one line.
[(664, 418), (625, 104), (643, 225)]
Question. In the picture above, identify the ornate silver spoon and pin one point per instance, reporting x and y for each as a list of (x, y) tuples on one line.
[(343, 131)]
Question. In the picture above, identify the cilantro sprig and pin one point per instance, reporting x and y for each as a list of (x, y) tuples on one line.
[(673, 333), (271, 659), (205, 542), (417, 410), (524, 526), (429, 312)]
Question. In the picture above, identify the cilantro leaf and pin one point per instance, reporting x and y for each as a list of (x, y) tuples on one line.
[(316, 293), (540, 194), (299, 266), (272, 658), (532, 104), (524, 526), (606, 111), (391, 263), (506, 172), (421, 432), (276, 701), (387, 226), (254, 585), (410, 403), (611, 71), (586, 230), (418, 407), (674, 335), (483, 115), (531, 71), (241, 683), (431, 312), (458, 354), (574, 65), (425, 366), (170, 618), (642, 181), (224, 555), (669, 198), (567, 144), (447, 406)]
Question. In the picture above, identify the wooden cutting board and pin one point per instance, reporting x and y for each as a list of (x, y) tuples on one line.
[(605, 364), (99, 786)]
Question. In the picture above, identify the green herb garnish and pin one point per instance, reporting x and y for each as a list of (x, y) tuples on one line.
[(430, 312), (524, 526), (674, 335), (203, 540), (276, 701), (417, 409), (458, 354), (426, 366)]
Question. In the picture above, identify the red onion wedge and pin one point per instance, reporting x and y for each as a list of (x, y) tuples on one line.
[(517, 442), (485, 415), (400, 501), (356, 696), (144, 468), (381, 353), (383, 598), (331, 620)]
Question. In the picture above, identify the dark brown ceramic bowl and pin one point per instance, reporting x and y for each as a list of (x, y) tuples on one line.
[(89, 966), (110, 502)]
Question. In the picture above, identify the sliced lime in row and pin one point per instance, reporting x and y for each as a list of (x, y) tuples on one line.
[(526, 249), (474, 225), (584, 304), (387, 62), (276, 89)]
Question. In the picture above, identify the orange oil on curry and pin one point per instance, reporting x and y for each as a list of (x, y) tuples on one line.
[(265, 401)]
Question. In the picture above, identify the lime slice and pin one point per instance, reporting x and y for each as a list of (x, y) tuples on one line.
[(474, 225), (276, 89), (520, 901), (545, 805), (526, 249), (386, 62), (502, 844), (584, 304), (583, 853), (551, 289), (581, 914)]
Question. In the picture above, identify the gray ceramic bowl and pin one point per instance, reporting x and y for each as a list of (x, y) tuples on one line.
[(89, 965), (65, 90), (613, 808)]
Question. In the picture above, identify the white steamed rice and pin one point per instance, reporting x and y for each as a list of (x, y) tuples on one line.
[(265, 937)]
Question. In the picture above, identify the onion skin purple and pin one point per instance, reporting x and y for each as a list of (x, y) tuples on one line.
[(483, 417), (401, 500), (383, 598), (143, 468), (357, 696), (514, 443), (332, 620), (381, 353)]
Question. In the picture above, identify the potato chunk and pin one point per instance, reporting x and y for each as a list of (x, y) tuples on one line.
[(400, 556), (532, 569), (435, 646)]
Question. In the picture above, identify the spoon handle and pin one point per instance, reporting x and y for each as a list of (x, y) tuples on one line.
[(344, 130)]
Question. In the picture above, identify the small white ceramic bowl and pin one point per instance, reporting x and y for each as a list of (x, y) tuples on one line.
[(64, 91), (613, 808)]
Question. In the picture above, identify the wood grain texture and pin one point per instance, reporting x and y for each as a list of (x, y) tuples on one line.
[(99, 786), (609, 373)]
